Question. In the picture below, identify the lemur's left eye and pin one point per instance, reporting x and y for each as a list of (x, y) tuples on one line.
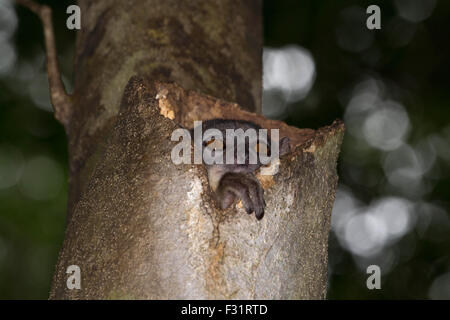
[(207, 143), (215, 144)]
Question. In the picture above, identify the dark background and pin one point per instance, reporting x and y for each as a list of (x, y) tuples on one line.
[(390, 86)]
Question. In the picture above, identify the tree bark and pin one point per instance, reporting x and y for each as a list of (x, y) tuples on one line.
[(142, 227), (211, 46)]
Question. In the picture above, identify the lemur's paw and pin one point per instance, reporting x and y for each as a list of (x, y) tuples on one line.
[(242, 186)]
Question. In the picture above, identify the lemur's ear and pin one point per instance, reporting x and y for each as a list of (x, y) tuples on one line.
[(284, 146)]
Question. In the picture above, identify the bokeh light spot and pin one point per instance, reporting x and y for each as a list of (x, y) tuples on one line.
[(413, 10), (440, 288), (290, 69), (8, 24), (42, 178), (11, 166), (386, 127)]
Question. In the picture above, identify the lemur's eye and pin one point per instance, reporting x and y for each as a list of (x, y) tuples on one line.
[(214, 144), (261, 147)]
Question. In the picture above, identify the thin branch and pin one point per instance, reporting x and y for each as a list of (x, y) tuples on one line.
[(62, 102)]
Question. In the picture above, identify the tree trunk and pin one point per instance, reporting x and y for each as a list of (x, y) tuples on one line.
[(140, 226)]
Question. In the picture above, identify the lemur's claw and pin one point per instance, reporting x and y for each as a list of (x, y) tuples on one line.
[(243, 186)]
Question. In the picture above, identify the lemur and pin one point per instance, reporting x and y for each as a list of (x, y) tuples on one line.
[(232, 181)]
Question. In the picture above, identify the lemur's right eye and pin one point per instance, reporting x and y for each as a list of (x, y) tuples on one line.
[(261, 147)]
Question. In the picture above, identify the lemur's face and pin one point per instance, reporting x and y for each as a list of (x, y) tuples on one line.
[(236, 143), (233, 178), (244, 152)]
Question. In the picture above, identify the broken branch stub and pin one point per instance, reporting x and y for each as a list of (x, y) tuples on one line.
[(146, 228), (61, 100)]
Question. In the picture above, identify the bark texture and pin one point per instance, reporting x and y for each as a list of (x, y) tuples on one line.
[(140, 226)]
